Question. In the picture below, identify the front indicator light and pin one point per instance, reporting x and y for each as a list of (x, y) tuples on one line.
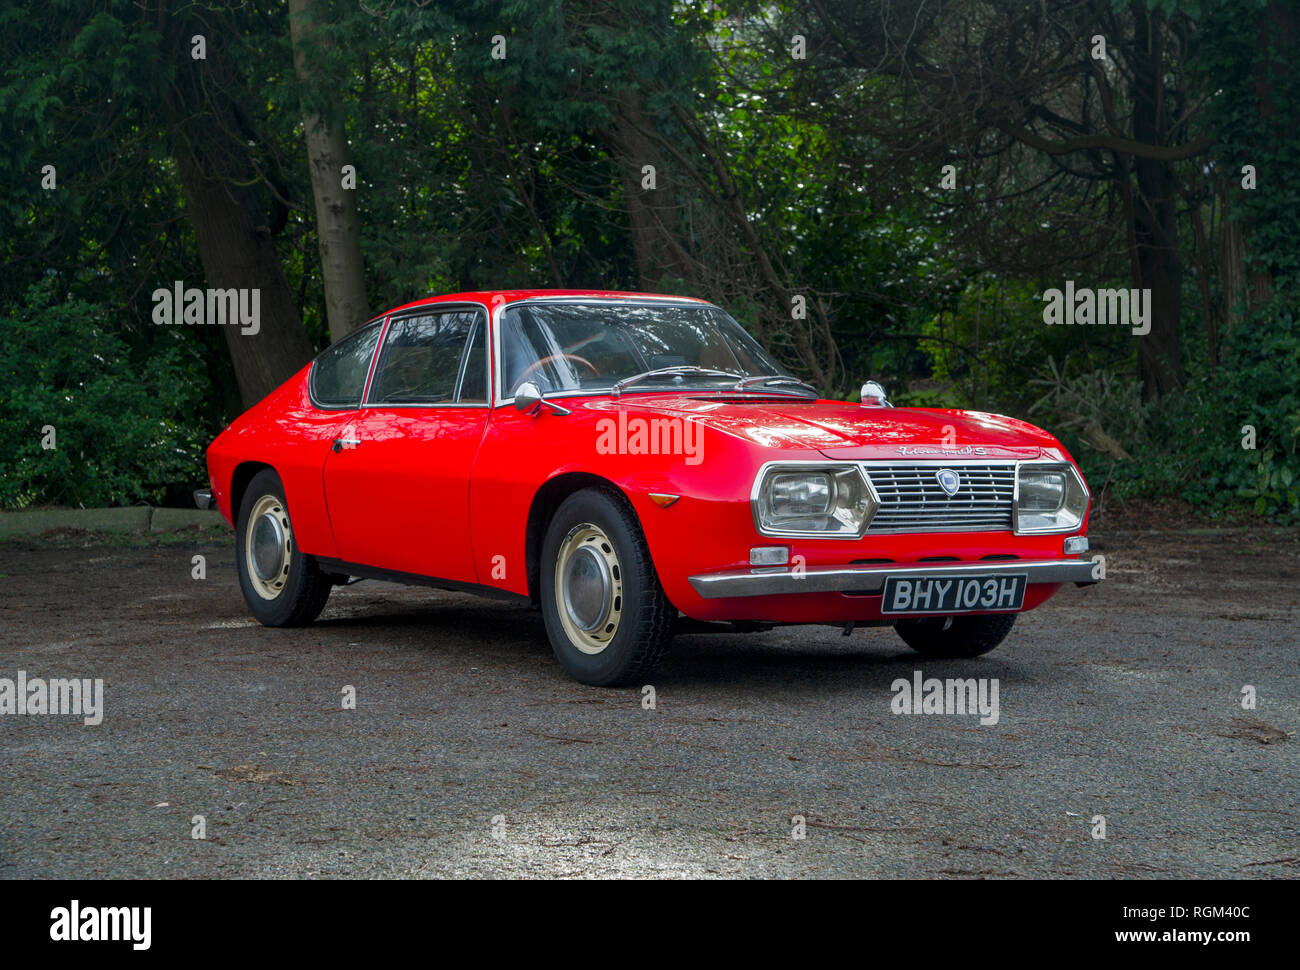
[(769, 555)]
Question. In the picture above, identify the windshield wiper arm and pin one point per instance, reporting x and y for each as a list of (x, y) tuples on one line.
[(676, 370), (768, 379)]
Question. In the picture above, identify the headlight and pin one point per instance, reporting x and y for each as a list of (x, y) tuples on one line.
[(817, 500), (1042, 491), (795, 495), (1050, 497)]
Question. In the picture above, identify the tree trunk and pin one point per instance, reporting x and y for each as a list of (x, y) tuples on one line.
[(236, 254), (1277, 33), (1160, 267), (651, 213), (232, 225), (1232, 265), (1155, 215), (338, 228)]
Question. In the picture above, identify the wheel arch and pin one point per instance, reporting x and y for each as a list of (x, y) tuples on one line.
[(545, 501), (239, 481)]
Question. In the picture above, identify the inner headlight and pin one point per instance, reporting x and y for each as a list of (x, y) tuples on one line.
[(829, 500), (795, 495), (1050, 497), (1041, 491)]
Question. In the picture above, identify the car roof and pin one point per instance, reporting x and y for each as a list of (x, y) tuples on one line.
[(511, 296)]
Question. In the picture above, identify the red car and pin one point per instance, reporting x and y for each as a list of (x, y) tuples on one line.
[(619, 459)]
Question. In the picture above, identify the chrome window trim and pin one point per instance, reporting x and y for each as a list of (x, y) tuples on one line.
[(381, 322), (649, 299), (429, 309), (480, 323), (498, 388), (814, 465), (374, 360)]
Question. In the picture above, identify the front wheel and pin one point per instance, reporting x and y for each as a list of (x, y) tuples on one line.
[(955, 636), (606, 615), (281, 585)]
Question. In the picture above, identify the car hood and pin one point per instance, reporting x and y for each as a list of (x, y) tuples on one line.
[(850, 431)]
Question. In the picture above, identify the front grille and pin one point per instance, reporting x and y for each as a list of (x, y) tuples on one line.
[(912, 500)]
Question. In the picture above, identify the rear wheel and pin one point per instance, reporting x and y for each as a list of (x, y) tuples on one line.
[(955, 636), (606, 615), (281, 585)]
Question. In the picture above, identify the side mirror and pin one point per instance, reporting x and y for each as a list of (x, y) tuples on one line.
[(529, 399), (873, 392)]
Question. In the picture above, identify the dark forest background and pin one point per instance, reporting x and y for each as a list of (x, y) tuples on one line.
[(918, 172)]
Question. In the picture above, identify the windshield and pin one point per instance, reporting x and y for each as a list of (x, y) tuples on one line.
[(591, 346)]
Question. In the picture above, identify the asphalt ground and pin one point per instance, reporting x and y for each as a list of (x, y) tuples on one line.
[(470, 752)]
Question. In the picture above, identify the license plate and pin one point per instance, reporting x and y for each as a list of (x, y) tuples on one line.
[(949, 594)]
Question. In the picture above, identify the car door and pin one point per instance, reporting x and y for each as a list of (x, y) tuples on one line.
[(397, 483), (299, 438)]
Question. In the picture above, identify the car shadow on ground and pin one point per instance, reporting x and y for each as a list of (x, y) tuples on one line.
[(472, 631), (820, 657)]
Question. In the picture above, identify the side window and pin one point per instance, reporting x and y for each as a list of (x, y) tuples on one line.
[(421, 359), (473, 383), (338, 375)]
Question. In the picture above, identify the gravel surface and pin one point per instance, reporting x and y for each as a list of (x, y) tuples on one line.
[(470, 753)]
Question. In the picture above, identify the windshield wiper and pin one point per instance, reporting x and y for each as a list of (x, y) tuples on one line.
[(678, 370), (769, 379)]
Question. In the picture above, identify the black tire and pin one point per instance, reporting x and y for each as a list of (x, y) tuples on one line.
[(639, 614), (301, 592), (955, 636)]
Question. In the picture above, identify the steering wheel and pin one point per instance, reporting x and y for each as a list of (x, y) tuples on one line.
[(537, 365)]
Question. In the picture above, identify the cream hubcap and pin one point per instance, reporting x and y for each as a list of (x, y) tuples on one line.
[(588, 588), (268, 546)]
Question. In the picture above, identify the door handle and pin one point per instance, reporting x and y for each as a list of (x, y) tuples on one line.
[(341, 443)]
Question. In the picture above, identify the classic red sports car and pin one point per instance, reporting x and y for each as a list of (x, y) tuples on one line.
[(619, 459)]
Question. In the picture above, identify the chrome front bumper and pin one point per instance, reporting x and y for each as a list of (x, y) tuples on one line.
[(780, 580)]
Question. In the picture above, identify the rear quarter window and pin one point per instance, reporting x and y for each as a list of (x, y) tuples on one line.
[(338, 376)]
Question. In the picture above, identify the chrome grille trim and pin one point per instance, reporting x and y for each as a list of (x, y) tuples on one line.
[(911, 499)]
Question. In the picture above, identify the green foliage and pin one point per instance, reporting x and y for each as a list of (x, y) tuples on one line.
[(1253, 115), (1194, 445), (1261, 388), (125, 430), (1093, 399), (991, 347), (475, 172), (1274, 489)]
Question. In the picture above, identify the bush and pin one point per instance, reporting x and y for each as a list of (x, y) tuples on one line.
[(126, 428), (1260, 387), (990, 345), (1199, 445), (992, 352)]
